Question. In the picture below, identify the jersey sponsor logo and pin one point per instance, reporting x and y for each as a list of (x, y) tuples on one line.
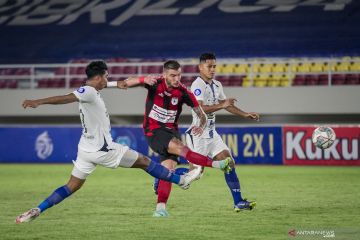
[(162, 115), (164, 111), (197, 92), (81, 90), (44, 146), (162, 118), (174, 100)]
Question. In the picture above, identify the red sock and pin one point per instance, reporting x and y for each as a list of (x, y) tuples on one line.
[(164, 190), (196, 158)]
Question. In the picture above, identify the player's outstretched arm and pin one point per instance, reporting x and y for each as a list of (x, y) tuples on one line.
[(237, 111), (223, 104), (134, 81), (64, 99)]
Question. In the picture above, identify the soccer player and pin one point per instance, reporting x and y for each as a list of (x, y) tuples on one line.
[(163, 107), (96, 146), (210, 95)]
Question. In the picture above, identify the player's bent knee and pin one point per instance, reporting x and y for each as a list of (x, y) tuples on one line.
[(142, 162), (75, 183), (79, 174)]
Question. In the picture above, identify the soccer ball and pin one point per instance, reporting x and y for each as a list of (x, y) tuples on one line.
[(323, 137)]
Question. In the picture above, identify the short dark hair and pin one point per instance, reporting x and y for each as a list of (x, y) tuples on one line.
[(95, 68), (171, 64), (207, 56)]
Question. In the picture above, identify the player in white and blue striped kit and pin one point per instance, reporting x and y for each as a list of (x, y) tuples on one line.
[(210, 95)]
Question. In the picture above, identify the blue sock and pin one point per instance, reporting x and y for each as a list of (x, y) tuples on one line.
[(234, 185), (181, 171), (178, 171), (56, 197), (158, 171)]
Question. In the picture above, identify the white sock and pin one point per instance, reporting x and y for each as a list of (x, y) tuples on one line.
[(215, 164), (160, 206)]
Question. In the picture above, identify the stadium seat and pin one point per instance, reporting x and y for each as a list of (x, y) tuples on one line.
[(22, 71), (299, 80), (76, 82), (317, 67), (42, 83), (311, 79), (241, 68), (220, 68), (155, 69), (116, 70), (80, 71), (2, 84), (342, 66), (303, 67), (224, 80), (73, 70), (60, 71), (355, 67), (261, 80), (187, 81), (247, 82), (266, 68), (12, 83), (190, 69), (255, 67), (352, 79), (273, 81), (279, 68), (323, 79), (236, 80), (285, 80), (338, 79), (329, 67), (130, 70), (56, 83), (228, 68)]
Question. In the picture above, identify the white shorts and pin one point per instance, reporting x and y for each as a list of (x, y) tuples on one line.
[(119, 155), (206, 146)]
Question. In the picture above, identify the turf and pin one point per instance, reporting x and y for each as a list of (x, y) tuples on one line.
[(118, 204)]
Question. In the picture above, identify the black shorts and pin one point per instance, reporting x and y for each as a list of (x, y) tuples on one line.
[(160, 140)]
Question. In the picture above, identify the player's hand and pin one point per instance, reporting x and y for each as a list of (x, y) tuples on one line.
[(253, 116), (197, 131), (151, 79), (228, 102), (30, 103)]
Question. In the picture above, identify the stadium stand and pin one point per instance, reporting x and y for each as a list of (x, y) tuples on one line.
[(231, 72)]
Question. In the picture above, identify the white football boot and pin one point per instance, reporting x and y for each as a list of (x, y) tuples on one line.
[(28, 216), (189, 177)]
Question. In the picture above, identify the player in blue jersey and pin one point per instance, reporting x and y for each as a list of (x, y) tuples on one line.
[(210, 95), (96, 146)]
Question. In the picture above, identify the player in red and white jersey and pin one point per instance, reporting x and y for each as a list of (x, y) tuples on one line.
[(166, 95)]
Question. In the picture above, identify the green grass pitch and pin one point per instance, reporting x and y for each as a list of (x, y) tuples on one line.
[(118, 204)]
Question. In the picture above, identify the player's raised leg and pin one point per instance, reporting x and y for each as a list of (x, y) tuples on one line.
[(56, 197), (178, 148), (178, 171), (158, 171)]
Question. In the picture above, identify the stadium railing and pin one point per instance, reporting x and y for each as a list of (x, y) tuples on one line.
[(267, 72)]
